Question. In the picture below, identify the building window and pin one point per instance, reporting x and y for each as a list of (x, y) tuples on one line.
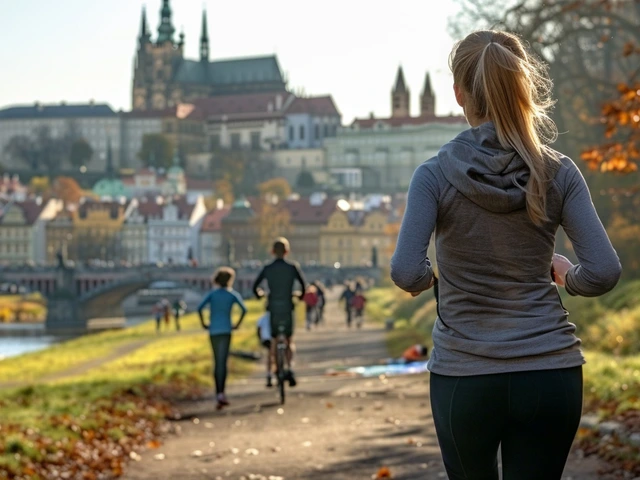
[(301, 132), (317, 132), (292, 134), (235, 140), (255, 141), (214, 142)]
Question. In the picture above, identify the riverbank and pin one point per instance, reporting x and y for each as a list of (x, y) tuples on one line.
[(107, 394)]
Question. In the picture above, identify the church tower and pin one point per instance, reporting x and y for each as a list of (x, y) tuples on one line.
[(155, 63), (204, 39), (427, 99), (400, 97)]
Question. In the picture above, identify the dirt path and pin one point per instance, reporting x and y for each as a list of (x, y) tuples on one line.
[(332, 427)]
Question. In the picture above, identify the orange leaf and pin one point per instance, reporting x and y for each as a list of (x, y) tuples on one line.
[(153, 444), (384, 472)]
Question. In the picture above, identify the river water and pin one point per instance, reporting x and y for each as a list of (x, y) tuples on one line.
[(16, 339)]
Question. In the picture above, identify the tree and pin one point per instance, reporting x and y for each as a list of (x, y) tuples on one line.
[(244, 169), (157, 151), (67, 190), (81, 153), (22, 148), (576, 39), (224, 190), (50, 151), (39, 185), (279, 187), (273, 221)]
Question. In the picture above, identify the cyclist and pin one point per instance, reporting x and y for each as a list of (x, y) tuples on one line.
[(281, 276)]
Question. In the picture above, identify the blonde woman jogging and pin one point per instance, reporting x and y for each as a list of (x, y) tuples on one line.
[(506, 367)]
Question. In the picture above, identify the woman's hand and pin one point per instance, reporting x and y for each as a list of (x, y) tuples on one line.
[(560, 265), (431, 284)]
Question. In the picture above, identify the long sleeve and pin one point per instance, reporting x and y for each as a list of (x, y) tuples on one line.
[(257, 283), (599, 268), (410, 267), (240, 302), (205, 301)]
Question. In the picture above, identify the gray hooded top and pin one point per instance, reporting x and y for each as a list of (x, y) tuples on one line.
[(498, 309)]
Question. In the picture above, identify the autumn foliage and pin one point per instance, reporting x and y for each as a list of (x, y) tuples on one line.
[(621, 119)]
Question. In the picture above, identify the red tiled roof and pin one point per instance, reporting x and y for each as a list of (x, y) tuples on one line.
[(199, 184), (149, 208), (241, 105), (400, 121), (322, 105), (213, 220), (302, 211), (91, 204), (184, 207), (31, 209)]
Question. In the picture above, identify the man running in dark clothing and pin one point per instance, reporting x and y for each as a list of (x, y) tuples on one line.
[(281, 275)]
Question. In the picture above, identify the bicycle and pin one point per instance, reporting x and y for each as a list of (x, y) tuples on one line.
[(281, 360)]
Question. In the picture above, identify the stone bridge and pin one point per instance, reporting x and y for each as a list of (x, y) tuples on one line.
[(77, 295)]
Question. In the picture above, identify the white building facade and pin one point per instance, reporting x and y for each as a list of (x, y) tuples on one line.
[(174, 231)]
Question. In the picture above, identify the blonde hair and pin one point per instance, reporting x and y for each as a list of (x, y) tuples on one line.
[(504, 83)]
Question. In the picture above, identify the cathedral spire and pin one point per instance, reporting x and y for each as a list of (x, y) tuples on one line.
[(427, 99), (400, 97), (166, 28), (400, 86), (204, 39), (145, 35)]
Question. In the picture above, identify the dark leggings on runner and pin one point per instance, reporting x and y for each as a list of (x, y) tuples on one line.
[(531, 416), (220, 347)]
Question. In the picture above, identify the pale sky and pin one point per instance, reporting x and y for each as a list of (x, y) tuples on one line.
[(77, 50)]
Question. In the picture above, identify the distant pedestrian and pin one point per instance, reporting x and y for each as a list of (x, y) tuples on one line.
[(346, 297), (310, 300), (179, 308), (322, 300), (358, 302), (220, 301), (166, 311), (158, 311)]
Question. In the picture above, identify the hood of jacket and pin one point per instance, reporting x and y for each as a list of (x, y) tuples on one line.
[(483, 171)]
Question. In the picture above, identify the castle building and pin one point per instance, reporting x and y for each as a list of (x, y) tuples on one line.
[(380, 154), (163, 77)]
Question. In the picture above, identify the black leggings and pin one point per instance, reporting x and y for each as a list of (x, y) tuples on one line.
[(531, 416), (220, 347)]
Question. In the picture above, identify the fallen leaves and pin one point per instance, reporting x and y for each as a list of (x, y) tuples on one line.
[(383, 472), (95, 444)]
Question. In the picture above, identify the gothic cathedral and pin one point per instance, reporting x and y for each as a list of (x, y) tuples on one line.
[(163, 78)]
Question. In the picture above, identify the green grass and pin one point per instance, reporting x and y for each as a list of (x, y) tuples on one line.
[(125, 397)]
